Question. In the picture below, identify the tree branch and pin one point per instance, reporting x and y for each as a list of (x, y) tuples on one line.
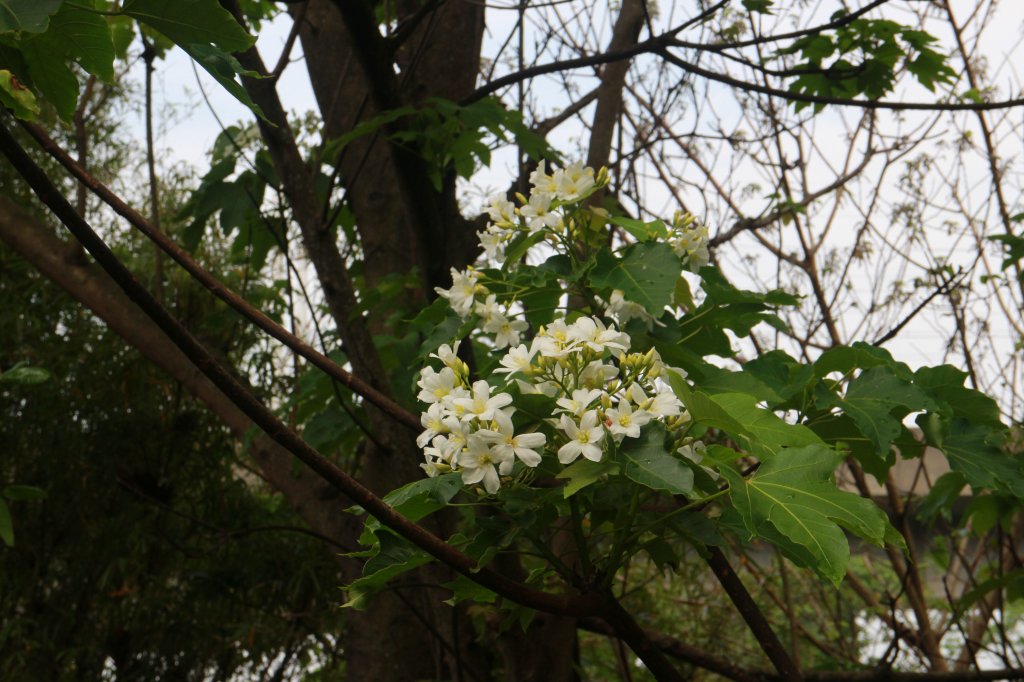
[(265, 419), (219, 289)]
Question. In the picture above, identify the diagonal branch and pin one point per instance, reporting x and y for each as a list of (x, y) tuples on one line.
[(265, 419), (219, 289)]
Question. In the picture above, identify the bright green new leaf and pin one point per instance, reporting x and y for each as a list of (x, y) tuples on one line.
[(191, 22), (31, 16), (793, 495), (584, 472), (22, 373), (877, 401), (17, 97), (646, 461), (646, 273)]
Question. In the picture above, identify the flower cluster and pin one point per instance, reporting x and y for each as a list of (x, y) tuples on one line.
[(689, 240), (602, 394), (468, 428)]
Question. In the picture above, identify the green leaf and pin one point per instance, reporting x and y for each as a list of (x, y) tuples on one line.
[(464, 589), (23, 492), (416, 500), (941, 496), (1013, 579), (85, 37), (584, 472), (23, 374), (971, 450), (646, 461), (844, 359), (191, 22), (646, 273), (793, 495), (641, 231), (877, 401), (945, 383), (394, 557), (842, 433), (739, 415), (224, 68), (6, 525), (31, 16), (122, 34), (51, 75)]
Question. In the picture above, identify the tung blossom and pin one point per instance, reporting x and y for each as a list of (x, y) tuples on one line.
[(624, 422), (480, 462), (481, 405), (583, 439), (506, 444)]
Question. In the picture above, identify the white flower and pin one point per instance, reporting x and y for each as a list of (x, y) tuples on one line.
[(449, 355), (517, 359), (597, 374), (502, 211), (433, 423), (482, 406), (461, 293), (573, 181), (493, 242), (541, 181), (663, 404), (694, 451), (506, 444), (553, 340), (478, 464), (443, 450), (458, 434), (506, 331), (583, 440), (596, 336), (435, 385), (457, 393), (581, 399), (624, 422), (689, 239), (538, 213), (489, 308), (430, 466)]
